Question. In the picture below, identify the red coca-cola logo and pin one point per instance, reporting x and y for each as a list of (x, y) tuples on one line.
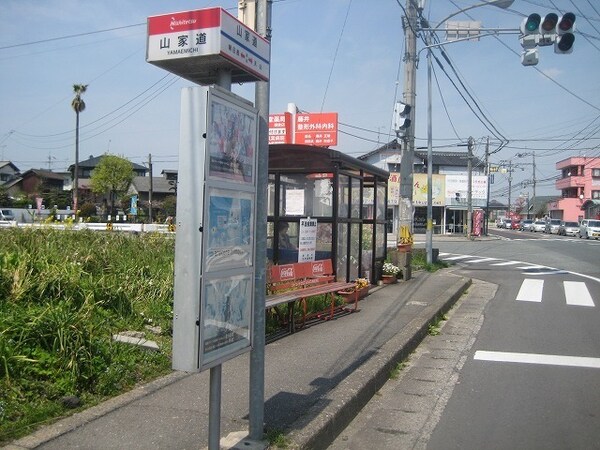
[(287, 272), (318, 268)]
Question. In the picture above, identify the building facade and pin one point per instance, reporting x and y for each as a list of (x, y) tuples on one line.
[(449, 189), (579, 184)]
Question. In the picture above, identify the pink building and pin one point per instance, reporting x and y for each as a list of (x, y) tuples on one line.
[(579, 185)]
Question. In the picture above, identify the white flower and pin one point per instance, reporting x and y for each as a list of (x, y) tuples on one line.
[(390, 269)]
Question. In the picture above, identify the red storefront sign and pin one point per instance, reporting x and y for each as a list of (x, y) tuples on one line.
[(318, 129), (280, 128)]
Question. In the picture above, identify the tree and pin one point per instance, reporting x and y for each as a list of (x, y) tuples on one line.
[(112, 175), (78, 106)]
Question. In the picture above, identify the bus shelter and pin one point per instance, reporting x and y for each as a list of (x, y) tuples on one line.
[(346, 197)]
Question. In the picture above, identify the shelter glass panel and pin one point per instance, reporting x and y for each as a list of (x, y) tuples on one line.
[(271, 195), (354, 250), (343, 196), (381, 191), (380, 241), (342, 252), (368, 196), (355, 198), (367, 250)]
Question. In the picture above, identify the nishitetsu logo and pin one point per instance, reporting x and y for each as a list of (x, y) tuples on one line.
[(177, 23), (287, 272)]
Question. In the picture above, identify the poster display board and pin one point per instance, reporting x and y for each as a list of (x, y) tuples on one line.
[(215, 245), (307, 240)]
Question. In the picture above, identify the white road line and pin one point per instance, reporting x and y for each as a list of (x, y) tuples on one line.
[(454, 258), (534, 358), (532, 266), (507, 263), (531, 290), (577, 294), (475, 261)]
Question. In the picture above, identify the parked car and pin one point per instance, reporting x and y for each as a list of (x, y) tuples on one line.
[(6, 214), (589, 228), (568, 228), (513, 224), (538, 225), (501, 222), (525, 224), (552, 226)]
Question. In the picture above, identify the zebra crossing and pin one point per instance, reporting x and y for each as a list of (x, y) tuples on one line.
[(472, 259), (576, 293)]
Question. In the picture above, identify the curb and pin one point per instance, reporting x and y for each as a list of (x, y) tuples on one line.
[(331, 415), (68, 424)]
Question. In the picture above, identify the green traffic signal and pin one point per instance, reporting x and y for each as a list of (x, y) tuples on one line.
[(532, 23)]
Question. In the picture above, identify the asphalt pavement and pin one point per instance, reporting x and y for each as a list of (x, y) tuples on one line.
[(316, 381)]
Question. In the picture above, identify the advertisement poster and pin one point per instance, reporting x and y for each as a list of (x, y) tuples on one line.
[(231, 142), (230, 229), (294, 202), (477, 222), (394, 188), (420, 189), (307, 240), (226, 316)]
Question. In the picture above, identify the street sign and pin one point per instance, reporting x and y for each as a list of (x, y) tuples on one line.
[(196, 45)]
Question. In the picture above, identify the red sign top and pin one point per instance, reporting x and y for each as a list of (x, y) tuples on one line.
[(318, 129), (184, 21)]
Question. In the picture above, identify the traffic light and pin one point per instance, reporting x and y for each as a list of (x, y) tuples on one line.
[(564, 30), (530, 31), (402, 120), (547, 29)]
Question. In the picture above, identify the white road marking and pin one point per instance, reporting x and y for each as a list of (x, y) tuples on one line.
[(531, 290), (534, 358), (475, 261), (577, 294), (454, 258), (507, 263)]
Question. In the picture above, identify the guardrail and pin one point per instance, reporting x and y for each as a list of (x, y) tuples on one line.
[(95, 226)]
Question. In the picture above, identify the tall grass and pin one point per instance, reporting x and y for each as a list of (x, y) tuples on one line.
[(62, 296)]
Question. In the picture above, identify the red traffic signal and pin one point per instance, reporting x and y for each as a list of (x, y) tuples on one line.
[(565, 28), (566, 24)]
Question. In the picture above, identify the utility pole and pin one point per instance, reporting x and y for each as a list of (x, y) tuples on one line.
[(487, 197), (509, 184), (257, 355), (150, 190), (469, 186), (534, 179), (405, 208)]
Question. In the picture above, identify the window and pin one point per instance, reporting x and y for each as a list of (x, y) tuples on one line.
[(596, 195), (596, 173)]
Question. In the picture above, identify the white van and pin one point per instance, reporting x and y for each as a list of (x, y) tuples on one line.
[(589, 228)]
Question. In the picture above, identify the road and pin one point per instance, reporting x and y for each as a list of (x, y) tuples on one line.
[(527, 374)]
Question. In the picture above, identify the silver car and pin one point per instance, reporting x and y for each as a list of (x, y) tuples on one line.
[(589, 228), (568, 229), (538, 225), (552, 226), (6, 214)]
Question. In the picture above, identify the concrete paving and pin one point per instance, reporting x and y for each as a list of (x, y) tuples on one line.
[(316, 380)]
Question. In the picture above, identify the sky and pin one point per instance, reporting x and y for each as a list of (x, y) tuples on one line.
[(343, 56)]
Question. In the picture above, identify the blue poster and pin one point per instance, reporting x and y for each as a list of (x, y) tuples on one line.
[(230, 231)]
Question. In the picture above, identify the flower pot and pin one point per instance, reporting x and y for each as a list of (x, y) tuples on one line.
[(353, 295), (389, 279), (404, 248)]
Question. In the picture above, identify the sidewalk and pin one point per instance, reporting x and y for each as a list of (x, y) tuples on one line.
[(316, 380)]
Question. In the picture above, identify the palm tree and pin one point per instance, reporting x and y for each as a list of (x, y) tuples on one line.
[(78, 106)]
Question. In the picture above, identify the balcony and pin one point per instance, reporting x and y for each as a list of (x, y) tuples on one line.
[(570, 182)]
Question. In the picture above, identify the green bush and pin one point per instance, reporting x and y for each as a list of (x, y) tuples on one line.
[(63, 294)]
